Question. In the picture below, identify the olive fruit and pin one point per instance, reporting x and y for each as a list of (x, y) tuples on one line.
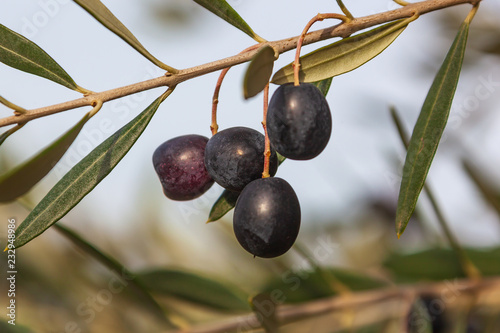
[(299, 122), (266, 217), (179, 163), (430, 313), (235, 156)]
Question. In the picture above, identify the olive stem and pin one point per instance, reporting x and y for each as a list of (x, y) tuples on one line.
[(10, 131), (319, 17), (472, 13), (345, 10), (401, 2), (215, 99), (267, 144), (10, 105)]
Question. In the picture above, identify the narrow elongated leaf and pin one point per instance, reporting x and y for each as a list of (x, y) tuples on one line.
[(302, 286), (116, 267), (21, 53), (258, 72), (195, 288), (342, 56), (102, 14), (490, 194), (223, 205), (22, 178), (222, 9), (324, 85), (439, 264), (281, 158), (428, 129), (84, 176)]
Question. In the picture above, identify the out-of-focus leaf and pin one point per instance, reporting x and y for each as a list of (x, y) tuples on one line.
[(441, 264), (112, 264), (264, 307), (258, 72), (428, 130), (303, 286), (22, 178), (21, 53), (342, 56), (102, 14), (223, 205), (419, 319), (195, 288), (5, 327), (222, 9), (490, 194), (84, 176)]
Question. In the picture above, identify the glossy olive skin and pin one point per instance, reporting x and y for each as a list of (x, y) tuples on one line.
[(235, 156), (299, 121), (180, 166), (266, 218)]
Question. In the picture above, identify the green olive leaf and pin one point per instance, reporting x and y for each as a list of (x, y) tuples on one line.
[(116, 267), (223, 205), (223, 10), (342, 56), (7, 327), (428, 129), (102, 14), (324, 85), (22, 178), (281, 158), (489, 193), (313, 284), (195, 288), (84, 176), (19, 52), (259, 72), (438, 264)]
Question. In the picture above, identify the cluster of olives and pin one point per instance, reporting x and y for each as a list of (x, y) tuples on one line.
[(266, 218)]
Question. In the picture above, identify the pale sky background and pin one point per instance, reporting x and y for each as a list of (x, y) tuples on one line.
[(354, 167)]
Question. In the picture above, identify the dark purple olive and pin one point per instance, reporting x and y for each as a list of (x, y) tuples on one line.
[(235, 156), (429, 310), (179, 163), (266, 217), (299, 122)]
